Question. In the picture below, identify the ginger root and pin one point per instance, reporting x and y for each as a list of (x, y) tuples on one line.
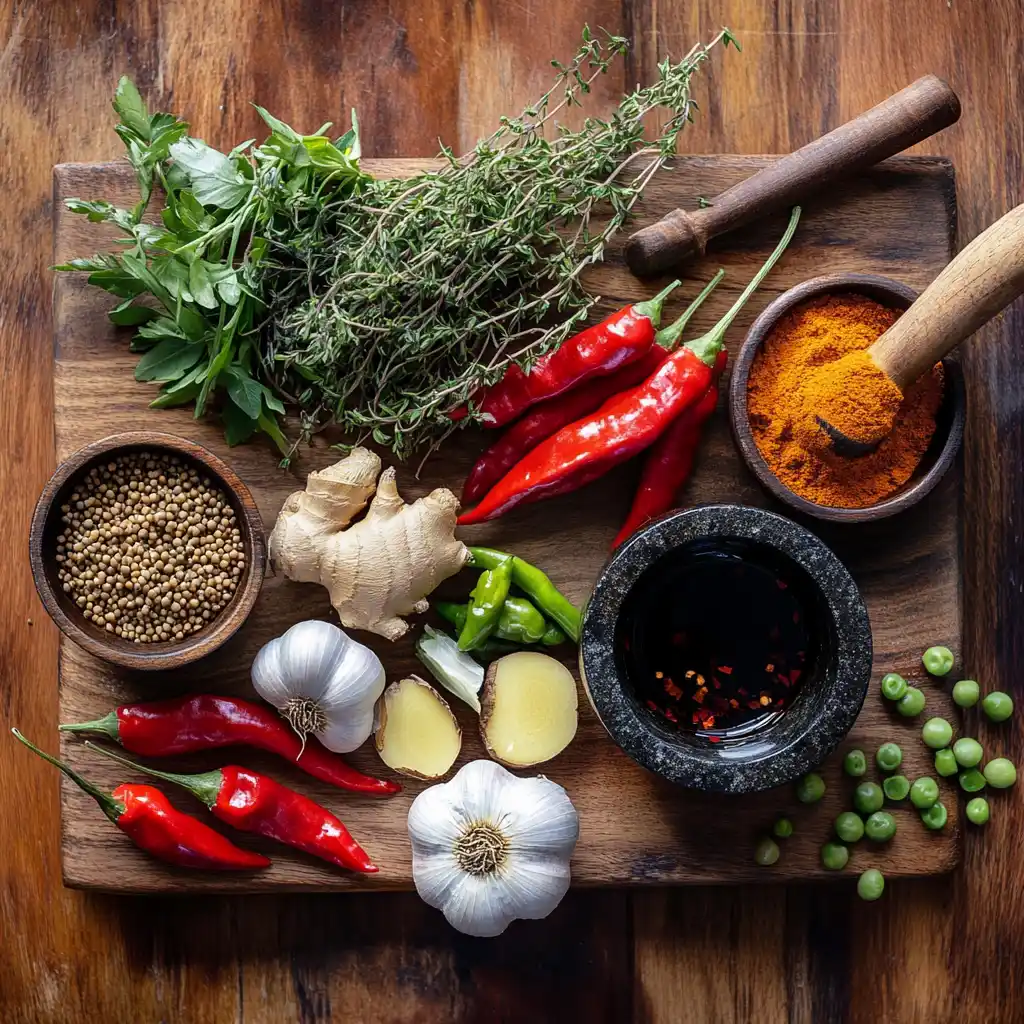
[(381, 567)]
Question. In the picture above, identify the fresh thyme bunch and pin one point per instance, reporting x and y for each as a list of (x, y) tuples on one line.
[(284, 272)]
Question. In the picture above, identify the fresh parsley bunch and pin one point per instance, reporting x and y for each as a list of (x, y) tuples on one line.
[(189, 283)]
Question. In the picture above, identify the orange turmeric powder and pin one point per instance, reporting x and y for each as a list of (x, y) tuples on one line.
[(814, 363)]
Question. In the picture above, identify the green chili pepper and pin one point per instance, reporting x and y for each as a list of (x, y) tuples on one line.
[(485, 604), (532, 581), (519, 621)]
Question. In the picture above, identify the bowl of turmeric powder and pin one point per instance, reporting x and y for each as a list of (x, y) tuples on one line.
[(786, 372)]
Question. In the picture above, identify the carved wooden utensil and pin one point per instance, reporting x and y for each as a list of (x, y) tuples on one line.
[(971, 289), (911, 115)]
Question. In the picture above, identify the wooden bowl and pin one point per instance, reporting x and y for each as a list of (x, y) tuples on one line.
[(945, 443), (47, 525)]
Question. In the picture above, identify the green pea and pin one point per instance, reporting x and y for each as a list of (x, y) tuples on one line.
[(972, 781), (783, 828), (871, 885), (810, 789), (966, 693), (977, 810), (893, 686), (937, 733), (868, 798), (855, 763), (889, 757), (934, 817), (834, 856), (945, 763), (880, 827), (937, 660), (1000, 773), (968, 752), (849, 827), (924, 792), (896, 787), (766, 852), (911, 703), (997, 705)]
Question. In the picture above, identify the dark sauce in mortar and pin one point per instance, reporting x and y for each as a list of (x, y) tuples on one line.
[(718, 638)]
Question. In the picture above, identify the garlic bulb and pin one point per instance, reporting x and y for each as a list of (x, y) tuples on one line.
[(489, 848), (322, 682)]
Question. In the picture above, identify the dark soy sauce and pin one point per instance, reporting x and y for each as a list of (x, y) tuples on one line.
[(718, 638)]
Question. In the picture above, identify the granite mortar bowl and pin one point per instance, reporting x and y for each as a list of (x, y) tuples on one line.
[(945, 443), (47, 525), (789, 745)]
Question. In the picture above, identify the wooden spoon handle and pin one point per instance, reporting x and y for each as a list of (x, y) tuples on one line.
[(975, 285), (912, 114)]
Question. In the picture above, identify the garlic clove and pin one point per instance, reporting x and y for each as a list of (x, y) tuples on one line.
[(434, 823), (482, 907), (534, 887), (478, 788), (537, 815)]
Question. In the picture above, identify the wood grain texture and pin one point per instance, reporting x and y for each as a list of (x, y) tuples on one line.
[(634, 828), (931, 950)]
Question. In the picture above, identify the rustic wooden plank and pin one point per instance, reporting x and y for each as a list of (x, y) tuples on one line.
[(635, 829)]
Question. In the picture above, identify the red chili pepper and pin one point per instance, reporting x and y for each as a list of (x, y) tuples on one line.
[(555, 413), (618, 339), (252, 802), (145, 815), (670, 461), (623, 426), (207, 722)]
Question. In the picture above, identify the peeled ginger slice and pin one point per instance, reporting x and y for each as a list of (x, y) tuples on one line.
[(528, 711), (417, 734)]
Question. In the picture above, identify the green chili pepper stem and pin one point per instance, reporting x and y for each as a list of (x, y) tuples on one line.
[(531, 580), (112, 808), (107, 725), (651, 308), (669, 336), (707, 347), (205, 786)]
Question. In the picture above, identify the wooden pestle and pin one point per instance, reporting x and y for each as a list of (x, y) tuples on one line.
[(984, 278), (905, 118)]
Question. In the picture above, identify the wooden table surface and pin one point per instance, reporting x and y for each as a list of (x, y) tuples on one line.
[(417, 70)]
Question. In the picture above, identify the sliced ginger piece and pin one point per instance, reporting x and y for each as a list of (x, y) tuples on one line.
[(528, 711), (417, 734)]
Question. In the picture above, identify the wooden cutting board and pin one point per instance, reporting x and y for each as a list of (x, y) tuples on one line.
[(635, 829)]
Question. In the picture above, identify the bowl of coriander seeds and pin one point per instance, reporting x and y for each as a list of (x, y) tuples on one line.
[(147, 550)]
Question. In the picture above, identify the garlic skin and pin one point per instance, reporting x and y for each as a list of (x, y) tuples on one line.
[(323, 682), (489, 848)]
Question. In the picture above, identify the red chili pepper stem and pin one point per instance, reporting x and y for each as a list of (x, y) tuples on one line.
[(107, 725), (651, 308), (110, 807), (203, 785), (668, 337), (707, 346)]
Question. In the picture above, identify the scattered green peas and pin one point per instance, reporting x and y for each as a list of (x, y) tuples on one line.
[(810, 789), (880, 827), (893, 686), (871, 885), (972, 781), (937, 733), (834, 856), (783, 828), (1000, 773), (937, 660), (997, 705), (966, 693), (849, 827), (968, 752), (896, 787), (855, 763), (945, 763), (766, 852), (977, 810), (924, 792), (868, 798), (934, 817), (911, 703), (889, 757)]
